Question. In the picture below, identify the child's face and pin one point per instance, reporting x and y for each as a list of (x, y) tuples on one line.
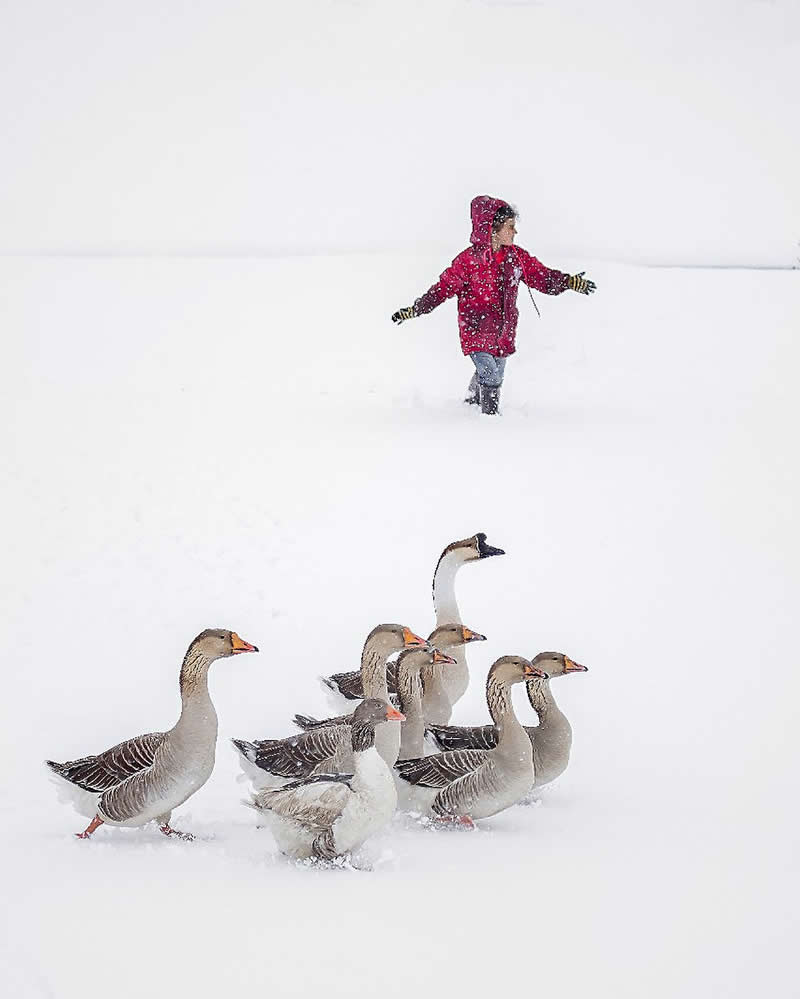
[(506, 233)]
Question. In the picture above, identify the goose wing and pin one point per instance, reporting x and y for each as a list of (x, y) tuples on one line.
[(349, 685), (449, 737), (102, 772), (308, 722), (315, 802), (298, 755), (441, 769)]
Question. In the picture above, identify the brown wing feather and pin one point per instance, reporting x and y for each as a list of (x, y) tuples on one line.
[(441, 769), (316, 805), (298, 755), (106, 770)]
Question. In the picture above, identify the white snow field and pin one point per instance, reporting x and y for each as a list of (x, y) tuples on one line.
[(251, 444)]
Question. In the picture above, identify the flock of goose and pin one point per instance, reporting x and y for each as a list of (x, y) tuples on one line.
[(326, 790)]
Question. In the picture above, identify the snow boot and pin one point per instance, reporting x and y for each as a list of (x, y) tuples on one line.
[(472, 397), (490, 399)]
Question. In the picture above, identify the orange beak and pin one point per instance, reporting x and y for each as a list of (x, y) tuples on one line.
[(240, 645), (532, 672), (440, 657), (392, 714), (573, 667), (472, 636), (413, 641)]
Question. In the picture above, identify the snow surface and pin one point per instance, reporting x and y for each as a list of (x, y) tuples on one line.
[(251, 444)]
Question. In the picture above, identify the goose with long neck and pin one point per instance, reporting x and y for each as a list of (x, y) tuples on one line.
[(446, 608), (323, 749), (411, 667), (348, 685), (468, 784), (551, 738), (435, 700), (329, 815), (145, 778)]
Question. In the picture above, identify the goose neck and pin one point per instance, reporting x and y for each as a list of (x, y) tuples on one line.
[(501, 708), (409, 692), (362, 737), (444, 589), (542, 701), (197, 709), (373, 674)]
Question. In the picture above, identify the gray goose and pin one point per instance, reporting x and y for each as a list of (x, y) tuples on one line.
[(409, 669), (467, 784), (145, 778), (435, 700), (326, 816), (551, 738), (447, 612), (272, 762)]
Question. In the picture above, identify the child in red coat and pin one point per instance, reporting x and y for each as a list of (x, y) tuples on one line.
[(486, 278)]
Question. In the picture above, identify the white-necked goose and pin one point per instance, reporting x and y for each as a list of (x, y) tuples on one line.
[(468, 784), (330, 815), (551, 738), (271, 762), (145, 778), (447, 612)]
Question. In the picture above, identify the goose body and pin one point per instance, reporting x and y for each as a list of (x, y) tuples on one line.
[(330, 815), (551, 738), (326, 748), (439, 698), (146, 777), (476, 783)]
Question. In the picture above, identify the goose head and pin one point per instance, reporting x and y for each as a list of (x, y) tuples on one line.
[(394, 637), (373, 711), (469, 550), (450, 636), (217, 643), (413, 660), (557, 664), (514, 669)]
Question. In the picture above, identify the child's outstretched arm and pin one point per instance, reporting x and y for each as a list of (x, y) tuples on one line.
[(450, 282), (550, 281)]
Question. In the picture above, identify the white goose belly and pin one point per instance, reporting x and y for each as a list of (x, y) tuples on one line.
[(371, 806)]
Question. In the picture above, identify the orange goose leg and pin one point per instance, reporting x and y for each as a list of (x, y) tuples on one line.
[(169, 831), (87, 832)]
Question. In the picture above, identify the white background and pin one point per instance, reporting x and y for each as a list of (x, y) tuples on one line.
[(250, 443)]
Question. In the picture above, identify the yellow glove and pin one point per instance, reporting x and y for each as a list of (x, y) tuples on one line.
[(583, 286), (402, 314)]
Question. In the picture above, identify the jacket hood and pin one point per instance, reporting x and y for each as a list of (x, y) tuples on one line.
[(483, 210)]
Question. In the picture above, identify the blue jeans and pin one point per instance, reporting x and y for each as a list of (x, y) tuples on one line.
[(489, 369)]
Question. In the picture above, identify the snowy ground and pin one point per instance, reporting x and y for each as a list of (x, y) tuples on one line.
[(250, 444)]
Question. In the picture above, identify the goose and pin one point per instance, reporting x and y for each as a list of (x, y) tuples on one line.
[(435, 701), (467, 784), (326, 816), (273, 762), (446, 609), (551, 738), (409, 670), (145, 778)]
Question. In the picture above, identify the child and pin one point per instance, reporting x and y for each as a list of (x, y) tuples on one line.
[(486, 277)]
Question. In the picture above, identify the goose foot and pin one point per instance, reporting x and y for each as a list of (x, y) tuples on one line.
[(169, 831), (87, 832), (463, 821)]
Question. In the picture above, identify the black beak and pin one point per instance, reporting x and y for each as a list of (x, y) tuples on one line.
[(484, 550)]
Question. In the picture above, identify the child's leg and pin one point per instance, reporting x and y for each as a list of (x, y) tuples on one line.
[(488, 368)]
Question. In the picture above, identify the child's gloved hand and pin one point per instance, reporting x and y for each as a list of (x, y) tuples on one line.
[(402, 314), (577, 282)]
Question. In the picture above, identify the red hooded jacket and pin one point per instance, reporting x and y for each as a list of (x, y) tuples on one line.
[(486, 284)]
